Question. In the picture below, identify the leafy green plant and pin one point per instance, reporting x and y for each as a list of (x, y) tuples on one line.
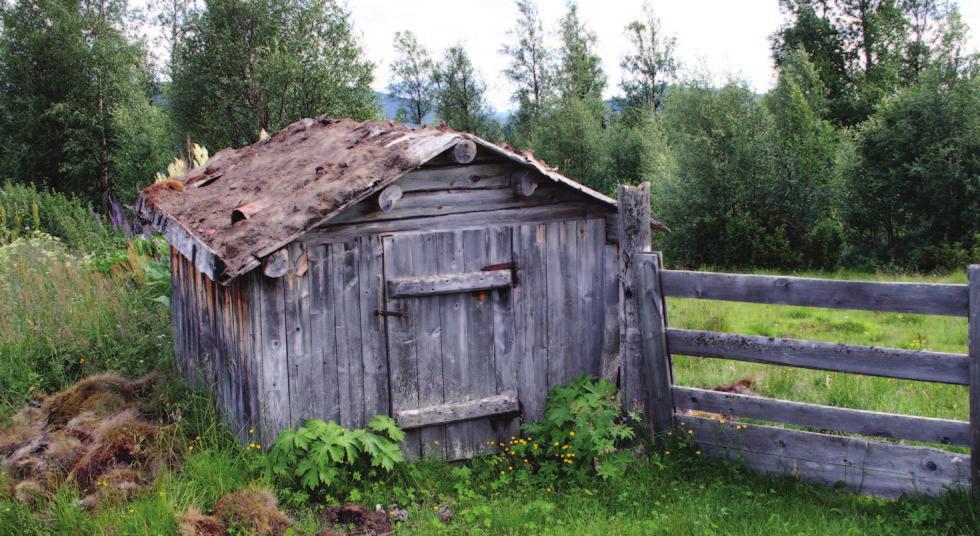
[(326, 456), (583, 432), (145, 261)]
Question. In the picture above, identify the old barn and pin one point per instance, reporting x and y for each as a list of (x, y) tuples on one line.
[(340, 269)]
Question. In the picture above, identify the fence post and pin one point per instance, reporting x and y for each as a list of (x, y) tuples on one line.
[(973, 274), (634, 237), (655, 362)]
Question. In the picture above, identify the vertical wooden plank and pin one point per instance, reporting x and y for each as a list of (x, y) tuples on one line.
[(973, 273), (505, 364), (655, 368), (176, 309), (478, 364), (372, 328), (531, 319), (221, 383), (454, 347), (193, 348), (274, 364), (237, 353), (305, 364), (204, 330), (323, 302), (591, 237), (352, 322), (341, 338), (428, 340), (634, 232), (190, 338), (572, 313), (555, 299), (248, 336), (401, 340), (232, 356), (610, 336), (255, 403)]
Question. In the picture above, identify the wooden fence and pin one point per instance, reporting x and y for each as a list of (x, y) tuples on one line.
[(884, 468)]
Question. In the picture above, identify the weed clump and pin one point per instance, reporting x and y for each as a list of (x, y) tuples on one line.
[(123, 440), (356, 517), (31, 493), (91, 434), (102, 394), (194, 523), (252, 511)]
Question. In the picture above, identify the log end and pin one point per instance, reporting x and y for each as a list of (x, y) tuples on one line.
[(464, 152), (277, 264)]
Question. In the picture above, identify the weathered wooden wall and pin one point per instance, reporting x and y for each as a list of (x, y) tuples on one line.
[(214, 341)]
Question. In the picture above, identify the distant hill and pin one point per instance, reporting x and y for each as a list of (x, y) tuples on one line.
[(390, 105)]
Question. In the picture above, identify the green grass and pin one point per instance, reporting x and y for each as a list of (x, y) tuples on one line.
[(56, 314)]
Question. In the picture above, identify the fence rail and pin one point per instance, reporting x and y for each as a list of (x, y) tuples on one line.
[(864, 464), (868, 423), (918, 298), (867, 360)]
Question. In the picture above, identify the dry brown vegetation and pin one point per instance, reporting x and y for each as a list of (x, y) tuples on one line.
[(92, 434), (253, 511)]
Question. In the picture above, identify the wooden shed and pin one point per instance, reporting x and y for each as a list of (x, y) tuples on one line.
[(341, 269)]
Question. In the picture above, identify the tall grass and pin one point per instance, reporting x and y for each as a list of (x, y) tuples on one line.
[(63, 319)]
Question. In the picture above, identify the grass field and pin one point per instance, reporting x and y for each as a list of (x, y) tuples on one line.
[(676, 493)]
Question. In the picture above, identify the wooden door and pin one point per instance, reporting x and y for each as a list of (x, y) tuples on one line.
[(449, 326)]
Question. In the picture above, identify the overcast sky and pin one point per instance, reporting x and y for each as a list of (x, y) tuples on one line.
[(720, 37)]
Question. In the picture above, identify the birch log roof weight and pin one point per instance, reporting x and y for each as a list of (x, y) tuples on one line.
[(245, 204)]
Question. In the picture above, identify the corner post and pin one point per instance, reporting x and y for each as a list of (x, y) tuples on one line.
[(634, 238), (655, 367), (973, 274)]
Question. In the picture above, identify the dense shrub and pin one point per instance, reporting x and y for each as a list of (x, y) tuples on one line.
[(24, 208), (914, 192)]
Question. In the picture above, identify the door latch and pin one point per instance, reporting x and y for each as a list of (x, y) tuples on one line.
[(500, 266), (512, 266), (401, 313)]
